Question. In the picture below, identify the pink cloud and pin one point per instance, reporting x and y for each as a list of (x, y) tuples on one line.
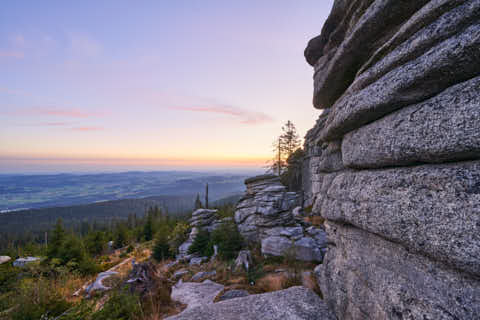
[(86, 129), (68, 113), (11, 54), (14, 92), (54, 124), (244, 116)]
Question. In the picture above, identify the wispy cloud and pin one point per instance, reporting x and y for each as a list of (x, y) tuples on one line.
[(86, 129), (12, 54), (54, 124), (59, 112), (244, 116)]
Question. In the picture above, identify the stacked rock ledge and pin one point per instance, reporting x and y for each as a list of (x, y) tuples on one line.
[(393, 162), (265, 215)]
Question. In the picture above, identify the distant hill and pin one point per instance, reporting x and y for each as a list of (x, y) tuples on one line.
[(19, 192)]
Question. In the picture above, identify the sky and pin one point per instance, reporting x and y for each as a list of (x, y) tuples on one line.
[(119, 85)]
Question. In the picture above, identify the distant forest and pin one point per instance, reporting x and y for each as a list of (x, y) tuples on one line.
[(30, 225)]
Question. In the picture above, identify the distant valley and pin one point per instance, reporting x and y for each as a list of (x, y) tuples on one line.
[(19, 192)]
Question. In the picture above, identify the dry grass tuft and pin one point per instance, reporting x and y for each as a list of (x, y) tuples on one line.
[(272, 282), (315, 220)]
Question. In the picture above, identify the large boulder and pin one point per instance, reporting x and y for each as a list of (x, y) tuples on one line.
[(392, 163), (23, 262), (305, 248), (98, 285), (293, 303), (4, 259), (195, 294)]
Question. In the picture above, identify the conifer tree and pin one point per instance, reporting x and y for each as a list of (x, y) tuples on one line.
[(57, 239), (206, 196), (283, 147), (148, 229), (198, 202)]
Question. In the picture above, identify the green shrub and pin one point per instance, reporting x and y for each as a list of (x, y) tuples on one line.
[(161, 248), (178, 236), (8, 277), (202, 244), (37, 298), (228, 240), (254, 273), (121, 306)]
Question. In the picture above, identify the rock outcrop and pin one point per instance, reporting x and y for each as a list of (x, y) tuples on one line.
[(266, 215), (201, 219), (98, 285), (393, 162), (292, 303), (195, 294)]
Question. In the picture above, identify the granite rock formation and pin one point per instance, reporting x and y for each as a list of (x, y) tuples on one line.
[(266, 215), (291, 303), (201, 219), (195, 294), (393, 161)]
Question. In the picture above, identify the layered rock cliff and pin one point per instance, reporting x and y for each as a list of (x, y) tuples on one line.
[(269, 215), (393, 162)]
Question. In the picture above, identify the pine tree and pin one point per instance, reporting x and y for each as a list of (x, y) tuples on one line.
[(56, 240), (161, 249), (120, 238), (206, 196), (148, 229), (198, 202), (284, 146)]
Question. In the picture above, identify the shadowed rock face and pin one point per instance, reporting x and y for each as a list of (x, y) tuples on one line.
[(392, 163)]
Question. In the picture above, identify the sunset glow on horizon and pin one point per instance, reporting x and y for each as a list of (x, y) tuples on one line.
[(88, 86)]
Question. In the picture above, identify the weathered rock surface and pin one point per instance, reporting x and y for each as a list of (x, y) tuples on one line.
[(22, 262), (203, 274), (366, 277), (266, 205), (4, 259), (201, 219), (195, 294), (243, 261), (266, 215), (179, 273), (205, 219), (430, 209), (197, 261), (293, 303), (183, 249), (441, 129), (393, 161), (232, 294), (98, 285)]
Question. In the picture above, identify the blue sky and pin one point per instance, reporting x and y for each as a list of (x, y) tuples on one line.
[(99, 85)]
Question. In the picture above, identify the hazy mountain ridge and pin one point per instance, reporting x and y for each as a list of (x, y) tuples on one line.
[(41, 191)]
